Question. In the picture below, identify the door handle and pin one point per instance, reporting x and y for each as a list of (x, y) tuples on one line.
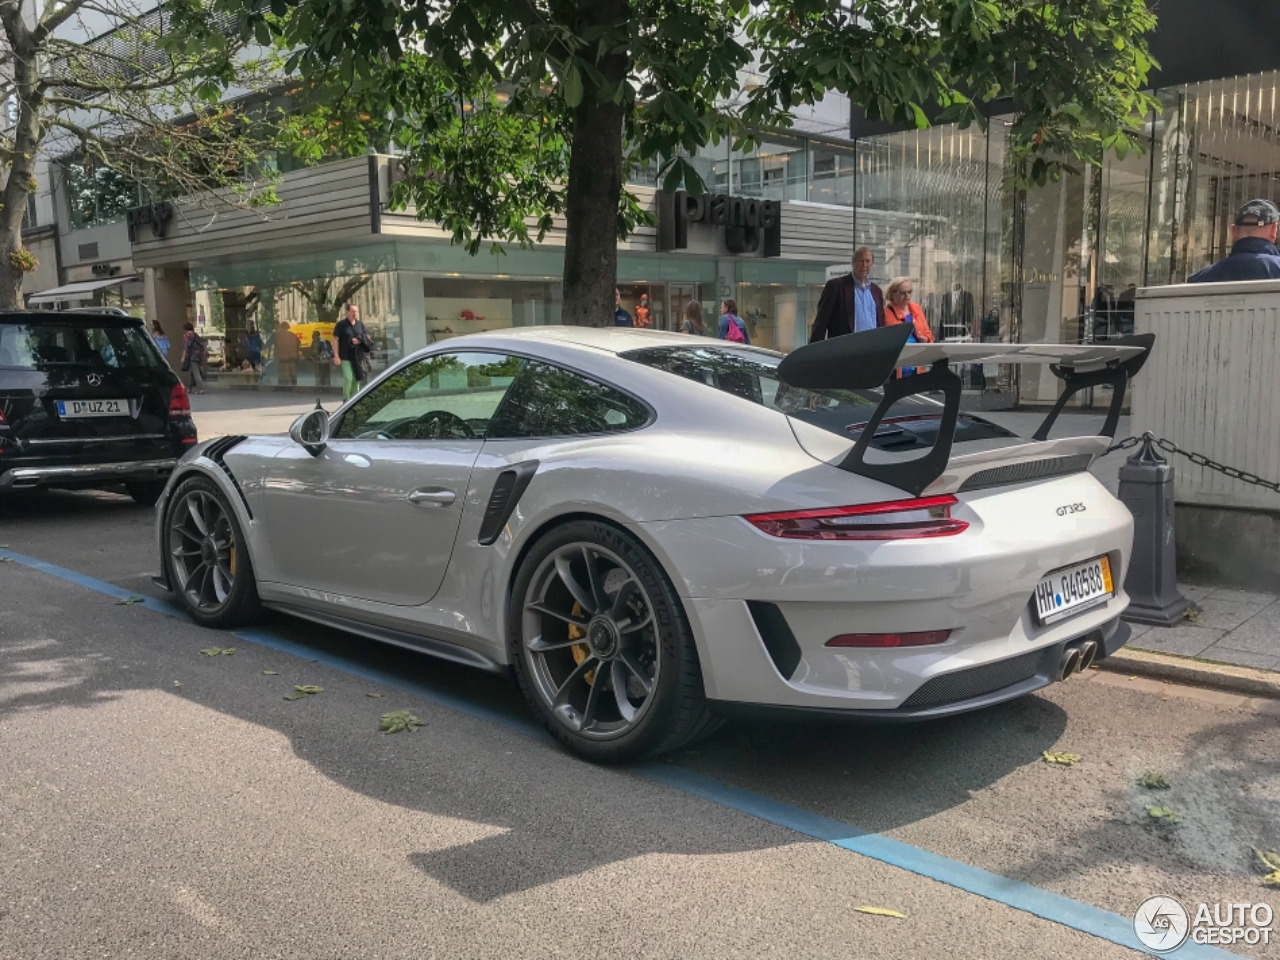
[(432, 496)]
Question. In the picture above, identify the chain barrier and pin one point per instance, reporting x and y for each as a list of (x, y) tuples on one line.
[(1199, 460)]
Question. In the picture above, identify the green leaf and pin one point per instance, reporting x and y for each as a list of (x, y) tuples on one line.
[(1164, 814), (881, 912), (1270, 861), (1061, 759), (1151, 780), (398, 720), (218, 651), (571, 87), (271, 673), (309, 689)]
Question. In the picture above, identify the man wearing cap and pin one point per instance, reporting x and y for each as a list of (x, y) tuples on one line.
[(1254, 255)]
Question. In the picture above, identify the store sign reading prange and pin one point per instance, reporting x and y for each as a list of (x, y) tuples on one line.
[(750, 225)]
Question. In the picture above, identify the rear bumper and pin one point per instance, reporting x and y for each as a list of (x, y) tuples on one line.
[(1033, 671), (27, 478)]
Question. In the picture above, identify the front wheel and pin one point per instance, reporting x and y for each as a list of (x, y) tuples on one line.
[(206, 557), (602, 648)]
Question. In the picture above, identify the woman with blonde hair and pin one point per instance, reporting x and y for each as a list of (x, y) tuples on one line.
[(899, 308)]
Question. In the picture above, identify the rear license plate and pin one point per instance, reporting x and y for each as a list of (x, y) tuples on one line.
[(1072, 590), (74, 409)]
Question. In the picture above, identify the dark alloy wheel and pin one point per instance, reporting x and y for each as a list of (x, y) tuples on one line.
[(602, 648), (206, 557)]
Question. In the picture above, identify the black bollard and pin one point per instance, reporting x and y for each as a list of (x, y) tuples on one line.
[(1146, 488)]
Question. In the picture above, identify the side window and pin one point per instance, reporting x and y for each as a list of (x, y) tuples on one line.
[(549, 401), (449, 396)]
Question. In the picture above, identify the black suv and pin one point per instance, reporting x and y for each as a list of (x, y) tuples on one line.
[(86, 400)]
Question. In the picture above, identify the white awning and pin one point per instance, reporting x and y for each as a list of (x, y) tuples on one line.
[(76, 291)]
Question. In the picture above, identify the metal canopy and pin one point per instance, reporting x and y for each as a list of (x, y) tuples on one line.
[(83, 290)]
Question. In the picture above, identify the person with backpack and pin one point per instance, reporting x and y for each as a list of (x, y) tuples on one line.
[(194, 353), (732, 327)]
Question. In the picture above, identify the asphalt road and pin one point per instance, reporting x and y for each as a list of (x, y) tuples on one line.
[(156, 802)]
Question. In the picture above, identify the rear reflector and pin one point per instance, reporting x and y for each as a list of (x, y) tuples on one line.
[(890, 520), (923, 639), (179, 401)]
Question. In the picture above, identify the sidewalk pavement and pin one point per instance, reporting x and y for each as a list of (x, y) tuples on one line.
[(1233, 627)]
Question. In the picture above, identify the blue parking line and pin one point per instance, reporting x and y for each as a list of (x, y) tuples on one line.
[(1024, 897)]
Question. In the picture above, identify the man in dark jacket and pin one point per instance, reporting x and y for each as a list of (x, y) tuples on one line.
[(850, 303), (1253, 254)]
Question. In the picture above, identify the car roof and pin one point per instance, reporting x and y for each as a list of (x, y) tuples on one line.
[(607, 339)]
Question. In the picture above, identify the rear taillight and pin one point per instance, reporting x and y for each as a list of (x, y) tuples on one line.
[(179, 402), (924, 638), (891, 520)]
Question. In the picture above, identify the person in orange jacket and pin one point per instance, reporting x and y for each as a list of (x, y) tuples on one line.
[(899, 308), (644, 314)]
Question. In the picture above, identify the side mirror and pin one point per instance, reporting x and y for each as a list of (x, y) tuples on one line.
[(311, 430)]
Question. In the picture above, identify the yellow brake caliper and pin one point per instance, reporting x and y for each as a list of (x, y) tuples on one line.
[(580, 651)]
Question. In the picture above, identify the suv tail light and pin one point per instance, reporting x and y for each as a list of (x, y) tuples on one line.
[(179, 402), (890, 520)]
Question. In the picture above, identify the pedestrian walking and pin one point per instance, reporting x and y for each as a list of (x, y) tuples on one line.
[(732, 327), (620, 316), (253, 347), (193, 356), (850, 303), (693, 323), (160, 338), (288, 349), (351, 348), (901, 309), (1253, 255), (321, 351)]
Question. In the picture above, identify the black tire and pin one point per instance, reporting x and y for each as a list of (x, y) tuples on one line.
[(227, 594), (673, 710), (145, 493)]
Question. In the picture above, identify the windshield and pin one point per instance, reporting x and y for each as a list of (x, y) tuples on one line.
[(753, 375), (105, 347)]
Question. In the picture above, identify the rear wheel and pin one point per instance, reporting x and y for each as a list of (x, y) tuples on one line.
[(206, 557), (145, 493), (602, 648)]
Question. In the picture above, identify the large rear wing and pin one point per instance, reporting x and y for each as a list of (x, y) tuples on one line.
[(867, 361)]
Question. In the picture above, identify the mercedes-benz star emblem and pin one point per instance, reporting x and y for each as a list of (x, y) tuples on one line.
[(95, 379)]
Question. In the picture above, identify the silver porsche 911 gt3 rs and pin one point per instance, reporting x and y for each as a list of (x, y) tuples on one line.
[(644, 525)]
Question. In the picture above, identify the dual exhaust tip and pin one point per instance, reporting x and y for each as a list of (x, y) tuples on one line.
[(1077, 658)]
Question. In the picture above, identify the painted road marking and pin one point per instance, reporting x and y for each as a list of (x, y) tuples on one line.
[(953, 873)]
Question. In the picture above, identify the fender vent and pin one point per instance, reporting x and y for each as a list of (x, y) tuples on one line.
[(1025, 472), (507, 490), (216, 450), (776, 633)]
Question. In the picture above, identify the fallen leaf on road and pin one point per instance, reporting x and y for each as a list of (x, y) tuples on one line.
[(126, 601), (6, 559), (271, 673), (398, 720), (1062, 759), (1270, 860), (218, 651), (881, 912), (1165, 814), (376, 696), (1153, 781), (300, 693), (177, 683), (1193, 615)]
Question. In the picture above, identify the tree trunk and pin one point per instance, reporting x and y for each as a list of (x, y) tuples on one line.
[(26, 140), (595, 188)]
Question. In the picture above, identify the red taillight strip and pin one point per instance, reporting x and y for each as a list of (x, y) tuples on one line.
[(923, 638), (808, 524)]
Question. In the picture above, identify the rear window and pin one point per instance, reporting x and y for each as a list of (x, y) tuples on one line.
[(98, 346), (753, 375)]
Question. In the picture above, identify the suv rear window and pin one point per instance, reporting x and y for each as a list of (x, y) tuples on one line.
[(753, 375), (80, 343)]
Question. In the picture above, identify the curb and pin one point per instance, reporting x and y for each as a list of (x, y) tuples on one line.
[(1200, 673)]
